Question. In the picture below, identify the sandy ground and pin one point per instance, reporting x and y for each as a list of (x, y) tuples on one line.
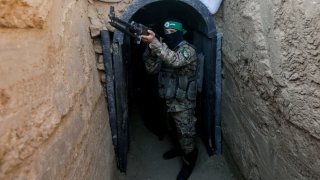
[(145, 159)]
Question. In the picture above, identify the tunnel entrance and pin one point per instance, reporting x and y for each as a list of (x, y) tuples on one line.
[(129, 86)]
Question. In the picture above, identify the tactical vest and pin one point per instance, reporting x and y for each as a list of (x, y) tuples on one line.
[(174, 84)]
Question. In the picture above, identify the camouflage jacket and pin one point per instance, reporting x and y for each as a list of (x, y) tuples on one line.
[(182, 60)]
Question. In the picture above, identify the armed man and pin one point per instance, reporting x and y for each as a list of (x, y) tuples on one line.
[(175, 61)]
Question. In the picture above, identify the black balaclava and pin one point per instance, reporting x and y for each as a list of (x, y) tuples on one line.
[(173, 39)]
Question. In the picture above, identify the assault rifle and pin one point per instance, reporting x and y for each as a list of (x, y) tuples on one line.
[(133, 29)]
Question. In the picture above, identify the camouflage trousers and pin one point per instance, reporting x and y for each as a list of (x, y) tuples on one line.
[(184, 123)]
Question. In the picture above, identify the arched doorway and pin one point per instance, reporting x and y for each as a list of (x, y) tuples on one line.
[(201, 32)]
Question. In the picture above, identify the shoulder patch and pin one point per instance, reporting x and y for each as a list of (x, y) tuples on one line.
[(186, 52)]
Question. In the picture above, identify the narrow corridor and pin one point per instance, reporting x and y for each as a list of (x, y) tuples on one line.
[(145, 158)]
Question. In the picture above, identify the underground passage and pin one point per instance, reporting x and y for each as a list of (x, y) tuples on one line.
[(76, 101), (134, 91)]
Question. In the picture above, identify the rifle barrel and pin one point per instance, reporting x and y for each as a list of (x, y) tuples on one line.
[(122, 29)]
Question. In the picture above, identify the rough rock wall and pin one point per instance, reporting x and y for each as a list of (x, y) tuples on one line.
[(271, 87), (53, 119), (23, 13), (98, 16)]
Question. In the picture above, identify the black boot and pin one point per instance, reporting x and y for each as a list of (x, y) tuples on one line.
[(176, 151), (189, 161)]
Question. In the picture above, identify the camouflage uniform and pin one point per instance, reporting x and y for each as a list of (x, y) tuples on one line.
[(180, 93)]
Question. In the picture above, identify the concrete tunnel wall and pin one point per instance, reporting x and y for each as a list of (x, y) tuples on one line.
[(52, 110)]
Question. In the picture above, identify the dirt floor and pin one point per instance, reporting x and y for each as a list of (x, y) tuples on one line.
[(145, 159)]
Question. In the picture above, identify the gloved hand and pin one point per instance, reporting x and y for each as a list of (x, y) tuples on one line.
[(148, 38)]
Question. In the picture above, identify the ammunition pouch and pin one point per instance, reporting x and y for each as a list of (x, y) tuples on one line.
[(167, 84), (192, 91), (174, 86)]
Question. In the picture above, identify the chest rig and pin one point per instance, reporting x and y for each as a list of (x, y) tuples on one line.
[(179, 83)]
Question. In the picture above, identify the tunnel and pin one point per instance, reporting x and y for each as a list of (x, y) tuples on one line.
[(130, 89)]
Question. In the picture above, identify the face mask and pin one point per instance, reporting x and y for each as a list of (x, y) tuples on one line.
[(173, 39)]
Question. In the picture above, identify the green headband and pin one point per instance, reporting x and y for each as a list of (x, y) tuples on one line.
[(174, 25)]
